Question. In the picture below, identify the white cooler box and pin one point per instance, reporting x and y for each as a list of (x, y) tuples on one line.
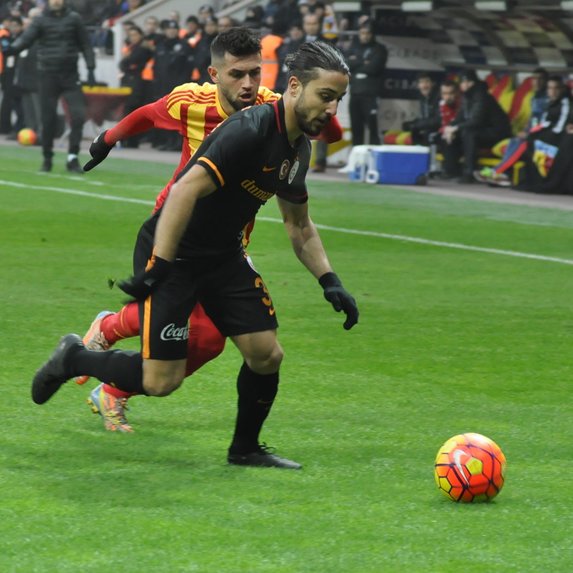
[(397, 164)]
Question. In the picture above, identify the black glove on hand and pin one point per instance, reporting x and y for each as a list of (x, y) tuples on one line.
[(99, 150), (340, 298), (141, 285), (91, 78)]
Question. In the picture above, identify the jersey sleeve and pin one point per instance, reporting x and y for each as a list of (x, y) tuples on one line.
[(265, 95)]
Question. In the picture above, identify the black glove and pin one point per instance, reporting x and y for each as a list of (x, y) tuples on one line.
[(99, 150), (141, 285), (91, 78), (340, 298)]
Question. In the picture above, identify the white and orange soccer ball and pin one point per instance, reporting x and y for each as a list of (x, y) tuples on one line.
[(470, 468), (27, 136)]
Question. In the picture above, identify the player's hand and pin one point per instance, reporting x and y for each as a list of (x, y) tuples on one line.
[(340, 298), (99, 150), (141, 285)]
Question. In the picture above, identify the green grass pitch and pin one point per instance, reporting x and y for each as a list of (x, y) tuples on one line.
[(450, 340)]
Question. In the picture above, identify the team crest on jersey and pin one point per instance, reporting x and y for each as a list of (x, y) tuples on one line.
[(293, 171), (284, 169)]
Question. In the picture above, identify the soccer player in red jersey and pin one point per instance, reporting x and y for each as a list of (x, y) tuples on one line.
[(194, 111)]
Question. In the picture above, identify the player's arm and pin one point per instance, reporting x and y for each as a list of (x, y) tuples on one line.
[(177, 211), (309, 249), (304, 237), (175, 216), (138, 121)]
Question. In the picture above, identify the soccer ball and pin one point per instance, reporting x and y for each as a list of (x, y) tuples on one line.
[(27, 136), (469, 468)]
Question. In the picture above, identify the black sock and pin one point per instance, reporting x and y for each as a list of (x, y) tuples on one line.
[(256, 395), (121, 368)]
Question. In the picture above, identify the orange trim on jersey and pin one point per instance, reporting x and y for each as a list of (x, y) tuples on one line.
[(214, 168), (146, 327)]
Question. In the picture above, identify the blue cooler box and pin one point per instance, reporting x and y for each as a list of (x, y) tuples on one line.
[(398, 164)]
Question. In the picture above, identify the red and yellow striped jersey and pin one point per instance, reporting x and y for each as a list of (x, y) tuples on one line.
[(195, 111)]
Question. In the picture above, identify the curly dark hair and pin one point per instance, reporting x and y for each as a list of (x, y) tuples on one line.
[(237, 42)]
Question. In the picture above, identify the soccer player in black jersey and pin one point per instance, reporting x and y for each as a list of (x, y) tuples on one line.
[(191, 250)]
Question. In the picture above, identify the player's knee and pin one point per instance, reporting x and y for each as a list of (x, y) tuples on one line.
[(162, 385), (267, 360)]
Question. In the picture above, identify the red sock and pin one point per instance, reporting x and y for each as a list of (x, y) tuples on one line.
[(122, 324), (117, 392)]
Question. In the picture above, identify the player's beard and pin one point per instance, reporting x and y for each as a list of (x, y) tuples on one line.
[(310, 126), (236, 103)]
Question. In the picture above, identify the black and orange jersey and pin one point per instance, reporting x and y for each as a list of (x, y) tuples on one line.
[(250, 160), (194, 110)]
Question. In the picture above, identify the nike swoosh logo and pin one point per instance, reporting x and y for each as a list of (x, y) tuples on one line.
[(268, 169), (457, 454)]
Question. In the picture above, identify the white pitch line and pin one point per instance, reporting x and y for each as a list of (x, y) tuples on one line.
[(390, 236)]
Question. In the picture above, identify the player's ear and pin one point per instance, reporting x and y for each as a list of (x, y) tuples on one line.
[(294, 86), (213, 74)]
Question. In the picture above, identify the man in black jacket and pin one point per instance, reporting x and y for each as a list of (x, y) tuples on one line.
[(429, 121), (367, 62), (61, 36), (481, 122)]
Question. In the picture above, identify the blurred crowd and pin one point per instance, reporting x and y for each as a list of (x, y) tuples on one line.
[(170, 49)]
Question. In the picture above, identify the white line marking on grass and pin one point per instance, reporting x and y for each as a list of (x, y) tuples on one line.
[(405, 238), (78, 192), (445, 244)]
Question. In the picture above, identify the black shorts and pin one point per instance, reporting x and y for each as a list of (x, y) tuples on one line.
[(231, 291)]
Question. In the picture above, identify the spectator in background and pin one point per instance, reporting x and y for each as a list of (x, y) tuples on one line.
[(26, 80), (11, 102), (481, 122), (449, 107), (192, 31), (367, 61), (517, 146), (205, 13), (61, 36), (428, 120), (226, 23), (290, 45), (202, 55), (171, 68), (151, 30), (131, 67), (287, 12), (270, 45), (254, 17), (541, 145), (171, 63), (329, 24)]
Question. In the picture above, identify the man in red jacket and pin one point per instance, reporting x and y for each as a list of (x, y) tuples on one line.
[(194, 111)]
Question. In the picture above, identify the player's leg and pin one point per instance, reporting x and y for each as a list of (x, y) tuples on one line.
[(205, 343), (238, 302), (158, 369), (205, 340), (109, 327), (75, 99), (49, 90)]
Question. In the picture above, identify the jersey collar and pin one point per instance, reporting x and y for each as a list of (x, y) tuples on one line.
[(279, 108)]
